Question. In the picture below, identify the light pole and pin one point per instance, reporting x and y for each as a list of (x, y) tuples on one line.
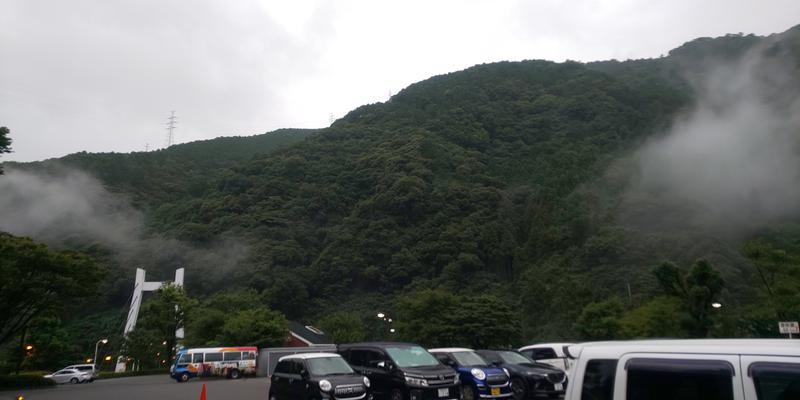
[(94, 360)]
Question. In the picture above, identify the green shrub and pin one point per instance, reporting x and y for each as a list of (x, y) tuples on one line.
[(111, 375)]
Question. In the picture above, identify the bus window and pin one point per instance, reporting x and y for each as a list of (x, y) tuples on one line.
[(248, 355), (197, 358), (232, 356), (185, 358), (211, 357)]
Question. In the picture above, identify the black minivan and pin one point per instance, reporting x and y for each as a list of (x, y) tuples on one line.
[(316, 376), (402, 371)]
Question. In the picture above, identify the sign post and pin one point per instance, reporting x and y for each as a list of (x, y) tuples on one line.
[(790, 327)]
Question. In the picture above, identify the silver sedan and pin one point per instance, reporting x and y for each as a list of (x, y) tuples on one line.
[(69, 375)]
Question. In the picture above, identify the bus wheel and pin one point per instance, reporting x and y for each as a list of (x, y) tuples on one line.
[(234, 374), (184, 377)]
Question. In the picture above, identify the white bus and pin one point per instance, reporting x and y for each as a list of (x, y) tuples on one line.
[(230, 362)]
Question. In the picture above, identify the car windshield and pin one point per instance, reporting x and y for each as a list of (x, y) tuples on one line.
[(514, 358), (469, 359), (411, 356), (328, 366)]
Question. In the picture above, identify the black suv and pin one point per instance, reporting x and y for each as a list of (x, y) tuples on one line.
[(402, 371), (528, 378), (316, 376)]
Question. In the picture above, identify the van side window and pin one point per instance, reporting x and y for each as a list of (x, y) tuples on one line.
[(248, 355), (598, 380), (185, 358), (366, 358), (662, 379), (775, 381), (211, 357), (232, 356), (197, 358)]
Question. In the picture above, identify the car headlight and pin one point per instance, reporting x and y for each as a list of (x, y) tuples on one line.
[(478, 374), (457, 379), (325, 385), (507, 373), (416, 381), (366, 381)]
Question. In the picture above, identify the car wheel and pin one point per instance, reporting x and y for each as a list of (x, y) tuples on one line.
[(518, 386), (468, 393), (234, 374), (73, 381), (396, 395), (184, 377), (272, 397)]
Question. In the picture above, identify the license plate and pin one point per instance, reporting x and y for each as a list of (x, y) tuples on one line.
[(495, 391), (559, 386), (444, 392)]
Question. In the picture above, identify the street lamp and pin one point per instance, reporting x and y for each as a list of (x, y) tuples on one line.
[(716, 305), (29, 347), (381, 315), (103, 341)]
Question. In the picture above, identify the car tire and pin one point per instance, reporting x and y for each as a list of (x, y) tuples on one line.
[(234, 374), (272, 397), (396, 395), (519, 388), (184, 377), (73, 381), (468, 392)]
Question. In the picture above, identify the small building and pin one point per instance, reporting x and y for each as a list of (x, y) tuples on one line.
[(301, 335)]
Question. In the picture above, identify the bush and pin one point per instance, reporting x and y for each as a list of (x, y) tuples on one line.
[(111, 375), (10, 382)]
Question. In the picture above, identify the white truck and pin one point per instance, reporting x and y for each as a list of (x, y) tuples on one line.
[(706, 369)]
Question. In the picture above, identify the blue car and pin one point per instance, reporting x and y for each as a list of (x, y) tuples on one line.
[(479, 379)]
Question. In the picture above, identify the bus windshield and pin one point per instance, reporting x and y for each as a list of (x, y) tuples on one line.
[(411, 356), (328, 366)]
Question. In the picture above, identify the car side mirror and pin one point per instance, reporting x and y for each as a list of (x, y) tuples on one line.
[(386, 365), (304, 374)]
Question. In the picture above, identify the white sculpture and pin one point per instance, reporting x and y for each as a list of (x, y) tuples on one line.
[(140, 286)]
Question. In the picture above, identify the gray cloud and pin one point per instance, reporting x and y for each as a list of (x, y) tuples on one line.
[(104, 75)]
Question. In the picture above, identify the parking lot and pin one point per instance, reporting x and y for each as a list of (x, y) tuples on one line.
[(149, 388)]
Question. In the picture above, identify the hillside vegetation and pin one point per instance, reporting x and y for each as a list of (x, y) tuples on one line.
[(511, 182)]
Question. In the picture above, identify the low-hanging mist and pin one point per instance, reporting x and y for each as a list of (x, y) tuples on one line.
[(732, 162), (73, 209)]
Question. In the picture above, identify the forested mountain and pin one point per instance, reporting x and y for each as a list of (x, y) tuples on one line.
[(541, 185)]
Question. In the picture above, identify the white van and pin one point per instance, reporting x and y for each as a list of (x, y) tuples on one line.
[(549, 353), (745, 369)]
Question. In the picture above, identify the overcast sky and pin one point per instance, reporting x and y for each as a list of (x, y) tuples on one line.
[(104, 75)]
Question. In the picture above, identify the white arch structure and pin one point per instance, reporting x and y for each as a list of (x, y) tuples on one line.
[(140, 286)]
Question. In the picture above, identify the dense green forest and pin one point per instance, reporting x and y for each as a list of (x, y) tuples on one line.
[(503, 201)]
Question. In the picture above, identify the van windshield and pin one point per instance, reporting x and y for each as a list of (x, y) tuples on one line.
[(328, 366), (411, 356)]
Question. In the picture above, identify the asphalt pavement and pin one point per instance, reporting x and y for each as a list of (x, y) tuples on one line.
[(154, 387)]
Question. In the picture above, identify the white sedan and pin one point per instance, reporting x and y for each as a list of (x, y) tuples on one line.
[(69, 375)]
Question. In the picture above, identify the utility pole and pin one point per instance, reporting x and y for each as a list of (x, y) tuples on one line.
[(171, 121)]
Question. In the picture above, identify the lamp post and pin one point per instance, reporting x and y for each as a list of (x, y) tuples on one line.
[(104, 341)]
